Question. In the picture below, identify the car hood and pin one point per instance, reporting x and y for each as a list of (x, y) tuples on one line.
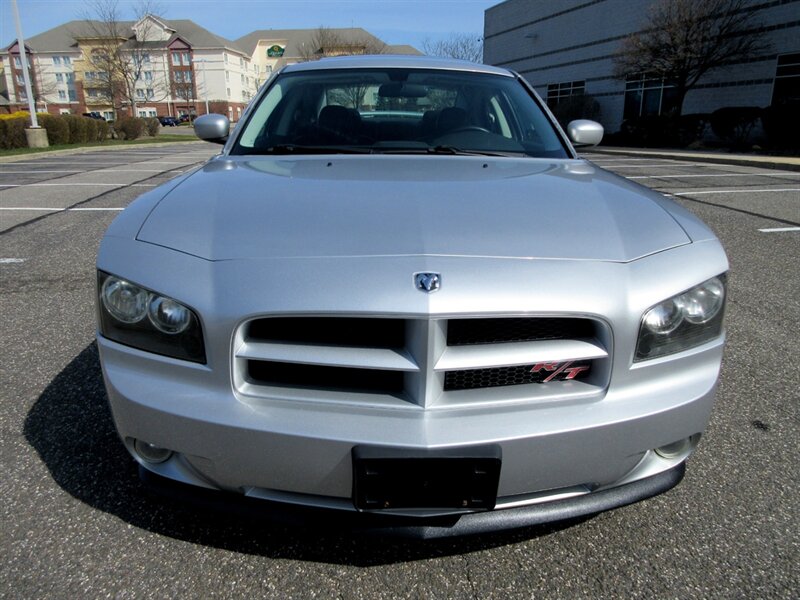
[(388, 205)]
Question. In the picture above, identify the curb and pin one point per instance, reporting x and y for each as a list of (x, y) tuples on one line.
[(764, 162), (81, 150)]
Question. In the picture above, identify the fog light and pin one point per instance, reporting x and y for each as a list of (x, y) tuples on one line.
[(676, 449), (150, 452)]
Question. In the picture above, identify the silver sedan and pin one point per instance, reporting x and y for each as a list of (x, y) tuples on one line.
[(399, 297)]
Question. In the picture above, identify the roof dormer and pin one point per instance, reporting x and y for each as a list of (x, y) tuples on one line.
[(151, 29)]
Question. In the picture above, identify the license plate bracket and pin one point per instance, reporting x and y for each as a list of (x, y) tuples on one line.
[(454, 478)]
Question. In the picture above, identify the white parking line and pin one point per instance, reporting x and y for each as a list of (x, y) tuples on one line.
[(779, 229), (698, 192), (43, 209), (94, 171), (15, 185), (785, 174), (10, 261), (674, 164)]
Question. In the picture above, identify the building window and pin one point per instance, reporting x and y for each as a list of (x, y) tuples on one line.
[(67, 60), (787, 80), (228, 91), (176, 58), (60, 77), (148, 76), (187, 59), (17, 62), (242, 76), (646, 95), (20, 80), (146, 58), (187, 76), (23, 96), (56, 60), (62, 95), (108, 115), (140, 94), (225, 57), (241, 61), (72, 96), (69, 77), (150, 93), (556, 92), (227, 76)]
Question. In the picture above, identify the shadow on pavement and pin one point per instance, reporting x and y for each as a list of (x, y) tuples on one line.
[(70, 427)]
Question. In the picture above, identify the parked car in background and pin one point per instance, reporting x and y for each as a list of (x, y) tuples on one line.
[(94, 115), (168, 121), (187, 118), (399, 294)]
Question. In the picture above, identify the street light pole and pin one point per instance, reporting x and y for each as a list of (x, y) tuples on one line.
[(24, 61)]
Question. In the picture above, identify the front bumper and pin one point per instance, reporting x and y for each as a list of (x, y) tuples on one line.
[(409, 527), (559, 460)]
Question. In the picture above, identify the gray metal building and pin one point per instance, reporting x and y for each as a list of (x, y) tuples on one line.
[(566, 47)]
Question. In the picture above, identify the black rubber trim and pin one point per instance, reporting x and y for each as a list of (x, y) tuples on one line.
[(411, 527)]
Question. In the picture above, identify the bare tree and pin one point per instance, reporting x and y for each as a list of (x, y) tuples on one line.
[(685, 39), (333, 42), (120, 58), (463, 46)]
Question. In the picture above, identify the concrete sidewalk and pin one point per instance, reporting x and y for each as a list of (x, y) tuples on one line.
[(786, 163)]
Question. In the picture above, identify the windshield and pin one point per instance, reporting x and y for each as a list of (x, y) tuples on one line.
[(398, 111)]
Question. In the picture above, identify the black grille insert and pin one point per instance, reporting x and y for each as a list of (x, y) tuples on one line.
[(316, 377), (465, 332), (335, 331), (472, 379)]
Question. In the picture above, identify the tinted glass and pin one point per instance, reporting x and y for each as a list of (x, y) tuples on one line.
[(398, 111)]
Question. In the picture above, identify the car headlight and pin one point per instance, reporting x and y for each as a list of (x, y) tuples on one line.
[(684, 321), (135, 316)]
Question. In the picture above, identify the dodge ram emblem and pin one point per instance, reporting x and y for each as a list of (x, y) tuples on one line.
[(427, 282)]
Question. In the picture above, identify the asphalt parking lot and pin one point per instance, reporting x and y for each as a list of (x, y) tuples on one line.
[(76, 522)]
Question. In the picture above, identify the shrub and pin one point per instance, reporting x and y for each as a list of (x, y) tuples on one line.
[(663, 130), (103, 129), (734, 123), (152, 124), (57, 129), (12, 132), (78, 128), (129, 128), (91, 129)]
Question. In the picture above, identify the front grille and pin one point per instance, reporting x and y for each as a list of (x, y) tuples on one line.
[(464, 332), (332, 378), (472, 379), (344, 331), (424, 362)]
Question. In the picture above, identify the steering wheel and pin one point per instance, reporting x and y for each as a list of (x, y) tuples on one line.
[(468, 128)]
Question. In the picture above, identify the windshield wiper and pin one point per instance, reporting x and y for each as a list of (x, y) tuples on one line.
[(441, 149), (284, 149)]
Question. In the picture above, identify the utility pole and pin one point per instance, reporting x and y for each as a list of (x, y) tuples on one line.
[(37, 137)]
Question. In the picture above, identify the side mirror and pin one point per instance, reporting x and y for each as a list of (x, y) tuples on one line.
[(212, 128), (584, 133)]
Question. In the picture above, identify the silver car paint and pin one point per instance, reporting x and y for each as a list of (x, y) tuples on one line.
[(243, 237)]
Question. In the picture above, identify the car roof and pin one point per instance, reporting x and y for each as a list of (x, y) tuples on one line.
[(399, 61)]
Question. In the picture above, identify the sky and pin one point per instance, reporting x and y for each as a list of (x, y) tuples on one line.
[(394, 21)]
